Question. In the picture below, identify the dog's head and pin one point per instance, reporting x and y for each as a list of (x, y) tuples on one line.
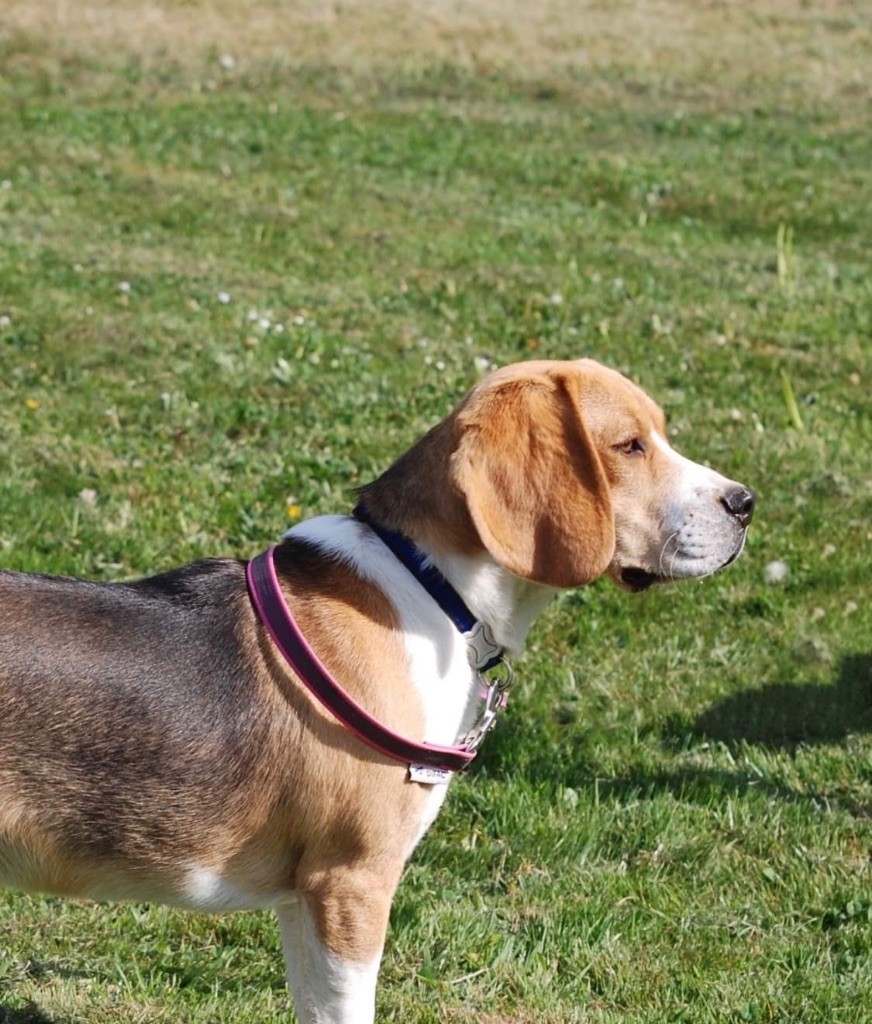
[(566, 473)]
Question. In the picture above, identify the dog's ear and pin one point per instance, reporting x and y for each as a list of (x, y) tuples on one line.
[(533, 482)]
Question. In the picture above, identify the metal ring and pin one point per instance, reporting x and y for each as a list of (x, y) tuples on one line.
[(502, 684)]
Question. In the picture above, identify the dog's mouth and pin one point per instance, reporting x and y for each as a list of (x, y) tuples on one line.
[(638, 579)]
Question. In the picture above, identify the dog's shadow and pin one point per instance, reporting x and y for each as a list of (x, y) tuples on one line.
[(784, 715), (780, 716), (30, 1013)]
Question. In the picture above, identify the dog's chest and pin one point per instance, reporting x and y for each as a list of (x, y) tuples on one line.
[(437, 654)]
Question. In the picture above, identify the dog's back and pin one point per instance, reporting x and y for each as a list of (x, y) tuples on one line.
[(116, 701)]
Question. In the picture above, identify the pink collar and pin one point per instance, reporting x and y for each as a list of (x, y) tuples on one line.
[(273, 612)]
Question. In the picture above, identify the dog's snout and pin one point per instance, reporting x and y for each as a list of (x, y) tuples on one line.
[(740, 503)]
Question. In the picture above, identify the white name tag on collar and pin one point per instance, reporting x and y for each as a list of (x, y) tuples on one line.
[(428, 775)]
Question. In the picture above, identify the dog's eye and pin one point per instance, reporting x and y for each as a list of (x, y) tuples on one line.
[(632, 446)]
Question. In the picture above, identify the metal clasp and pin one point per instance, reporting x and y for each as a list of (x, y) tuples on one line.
[(495, 695)]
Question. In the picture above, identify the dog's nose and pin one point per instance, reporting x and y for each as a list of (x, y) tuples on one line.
[(740, 503)]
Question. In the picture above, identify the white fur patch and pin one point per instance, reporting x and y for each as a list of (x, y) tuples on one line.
[(326, 989), (436, 650), (693, 476), (506, 602), (700, 535), (437, 653), (209, 892)]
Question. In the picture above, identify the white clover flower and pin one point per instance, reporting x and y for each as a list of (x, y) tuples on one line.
[(223, 298), (776, 572), (124, 286), (227, 61)]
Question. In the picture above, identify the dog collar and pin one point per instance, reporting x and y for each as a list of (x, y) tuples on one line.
[(428, 762), (484, 652)]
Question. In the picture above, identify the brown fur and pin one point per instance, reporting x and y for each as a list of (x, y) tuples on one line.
[(149, 731), (525, 468), (254, 810)]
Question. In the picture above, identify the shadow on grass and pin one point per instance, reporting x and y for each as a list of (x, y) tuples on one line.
[(783, 715), (30, 1014), (707, 787), (780, 716)]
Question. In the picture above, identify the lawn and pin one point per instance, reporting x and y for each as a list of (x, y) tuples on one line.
[(249, 251)]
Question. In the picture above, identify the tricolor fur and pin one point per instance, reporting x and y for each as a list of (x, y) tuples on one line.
[(154, 745)]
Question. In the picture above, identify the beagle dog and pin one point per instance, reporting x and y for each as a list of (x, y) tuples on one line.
[(156, 744)]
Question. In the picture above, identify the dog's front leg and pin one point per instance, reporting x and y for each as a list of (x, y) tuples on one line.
[(332, 936)]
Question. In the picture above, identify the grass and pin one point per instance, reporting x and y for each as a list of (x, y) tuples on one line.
[(673, 821)]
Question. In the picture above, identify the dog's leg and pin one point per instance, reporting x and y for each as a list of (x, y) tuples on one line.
[(333, 943)]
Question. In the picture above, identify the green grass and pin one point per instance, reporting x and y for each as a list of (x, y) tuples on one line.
[(672, 824)]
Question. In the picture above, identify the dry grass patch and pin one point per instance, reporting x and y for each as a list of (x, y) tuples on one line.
[(800, 51)]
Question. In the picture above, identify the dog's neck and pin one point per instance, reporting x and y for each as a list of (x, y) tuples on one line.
[(435, 518), (507, 603)]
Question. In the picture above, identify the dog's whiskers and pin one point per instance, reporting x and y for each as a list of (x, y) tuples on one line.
[(669, 575)]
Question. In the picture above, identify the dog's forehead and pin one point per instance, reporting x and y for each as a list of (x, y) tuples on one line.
[(609, 399)]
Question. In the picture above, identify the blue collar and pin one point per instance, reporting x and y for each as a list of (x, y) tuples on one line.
[(485, 653)]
